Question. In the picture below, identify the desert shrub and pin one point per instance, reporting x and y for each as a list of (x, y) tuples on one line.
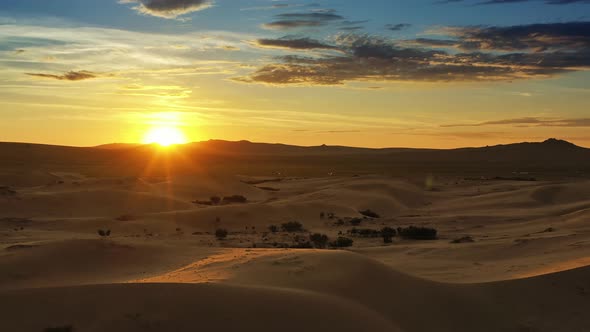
[(234, 199), (365, 232), (322, 215), (342, 242), (273, 228), (369, 213), (202, 202), (221, 233), (302, 245), (67, 328), (340, 222), (319, 240), (292, 226), (418, 233), (355, 221), (104, 233), (215, 200), (465, 239), (331, 215), (388, 233)]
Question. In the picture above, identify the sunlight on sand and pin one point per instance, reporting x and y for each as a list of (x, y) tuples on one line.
[(215, 268), (556, 267)]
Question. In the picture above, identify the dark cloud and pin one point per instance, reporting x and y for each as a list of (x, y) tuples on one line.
[(369, 58), (397, 27), (169, 8), (496, 2), (529, 122), (315, 18), (294, 43), (538, 37), (69, 76), (353, 25)]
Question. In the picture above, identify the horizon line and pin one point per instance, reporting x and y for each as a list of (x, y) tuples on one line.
[(293, 145)]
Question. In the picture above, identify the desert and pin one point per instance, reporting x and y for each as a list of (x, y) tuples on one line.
[(168, 247)]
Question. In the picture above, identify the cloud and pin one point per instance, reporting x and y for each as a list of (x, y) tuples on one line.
[(537, 37), (166, 91), (295, 44), (303, 20), (367, 58), (529, 122), (491, 54), (169, 8), (121, 53), (397, 27), (496, 2), (274, 6), (69, 76)]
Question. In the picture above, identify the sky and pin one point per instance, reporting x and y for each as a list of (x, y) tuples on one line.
[(373, 73)]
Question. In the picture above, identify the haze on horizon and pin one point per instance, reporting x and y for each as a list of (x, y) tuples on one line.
[(378, 73)]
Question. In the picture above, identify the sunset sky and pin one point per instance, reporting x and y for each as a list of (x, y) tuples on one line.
[(375, 73)]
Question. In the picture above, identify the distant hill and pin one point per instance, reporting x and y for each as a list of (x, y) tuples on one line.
[(552, 156), (113, 146)]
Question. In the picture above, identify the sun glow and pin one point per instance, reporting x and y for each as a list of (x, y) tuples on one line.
[(164, 136)]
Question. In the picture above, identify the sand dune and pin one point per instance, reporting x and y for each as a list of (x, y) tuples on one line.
[(523, 267), (177, 307)]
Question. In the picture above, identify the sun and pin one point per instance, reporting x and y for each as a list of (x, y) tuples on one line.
[(164, 136)]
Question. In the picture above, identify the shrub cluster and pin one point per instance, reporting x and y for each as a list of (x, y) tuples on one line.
[(364, 232), (234, 199), (417, 233), (292, 227), (465, 239), (329, 215), (369, 213), (216, 200), (319, 240), (355, 221), (104, 233), (387, 233), (221, 233), (341, 242)]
